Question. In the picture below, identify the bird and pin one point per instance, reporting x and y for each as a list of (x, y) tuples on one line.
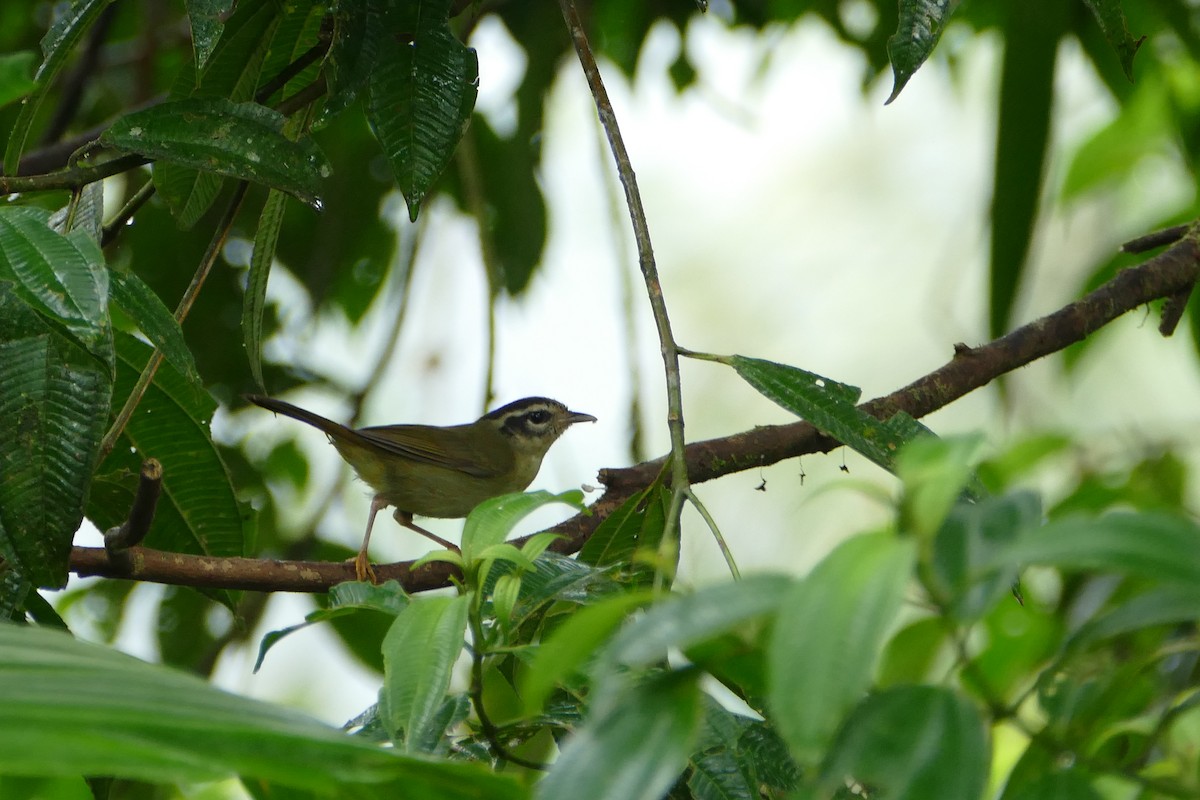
[(442, 472)]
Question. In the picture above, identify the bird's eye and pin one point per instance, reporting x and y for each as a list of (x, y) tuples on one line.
[(539, 417)]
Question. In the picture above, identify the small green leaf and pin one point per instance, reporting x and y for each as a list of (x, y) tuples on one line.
[(638, 523), (237, 140), (912, 743), (830, 407), (491, 522), (418, 653), (920, 26), (828, 634), (635, 748), (15, 69), (66, 31), (1168, 605), (206, 18), (573, 643), (154, 320), (254, 301)]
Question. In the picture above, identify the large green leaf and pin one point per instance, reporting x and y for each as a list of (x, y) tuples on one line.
[(912, 743), (633, 749), (421, 89), (418, 654), (54, 400), (237, 140), (153, 319), (232, 74), (1032, 31), (70, 708), (920, 26), (66, 31), (828, 634), (198, 510), (62, 277)]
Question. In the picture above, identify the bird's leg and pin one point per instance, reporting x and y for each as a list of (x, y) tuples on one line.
[(362, 564), (405, 519)]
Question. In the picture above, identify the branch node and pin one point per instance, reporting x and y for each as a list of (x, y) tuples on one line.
[(117, 541)]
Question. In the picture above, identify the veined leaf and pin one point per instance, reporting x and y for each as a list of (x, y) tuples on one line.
[(54, 400), (198, 511), (420, 92), (418, 653), (238, 140), (154, 319), (920, 26)]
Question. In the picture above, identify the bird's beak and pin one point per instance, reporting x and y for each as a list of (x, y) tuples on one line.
[(575, 416)]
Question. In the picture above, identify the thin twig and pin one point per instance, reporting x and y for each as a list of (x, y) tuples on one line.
[(117, 224), (181, 312), (71, 178), (641, 233)]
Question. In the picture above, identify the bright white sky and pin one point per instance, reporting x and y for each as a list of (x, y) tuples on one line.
[(794, 219)]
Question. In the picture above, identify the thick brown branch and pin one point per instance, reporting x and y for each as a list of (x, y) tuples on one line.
[(1162, 276)]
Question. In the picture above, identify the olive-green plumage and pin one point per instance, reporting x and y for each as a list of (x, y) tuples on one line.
[(432, 471)]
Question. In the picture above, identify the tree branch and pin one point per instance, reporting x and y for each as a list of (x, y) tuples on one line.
[(1164, 275)]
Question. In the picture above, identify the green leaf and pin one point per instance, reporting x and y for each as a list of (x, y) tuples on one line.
[(965, 548), (198, 511), (912, 652), (344, 599), (15, 80), (418, 654), (66, 31), (1032, 31), (266, 235), (491, 522), (638, 523), (68, 708), (237, 140), (54, 400), (206, 20), (682, 620), (920, 26), (62, 277), (572, 643), (1154, 545), (635, 748), (828, 634), (154, 320), (912, 743), (830, 407), (1111, 17), (231, 74), (421, 90), (1167, 605)]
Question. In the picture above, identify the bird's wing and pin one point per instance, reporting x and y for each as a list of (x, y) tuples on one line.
[(452, 450)]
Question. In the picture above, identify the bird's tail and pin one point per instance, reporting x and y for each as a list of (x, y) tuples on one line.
[(327, 426)]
